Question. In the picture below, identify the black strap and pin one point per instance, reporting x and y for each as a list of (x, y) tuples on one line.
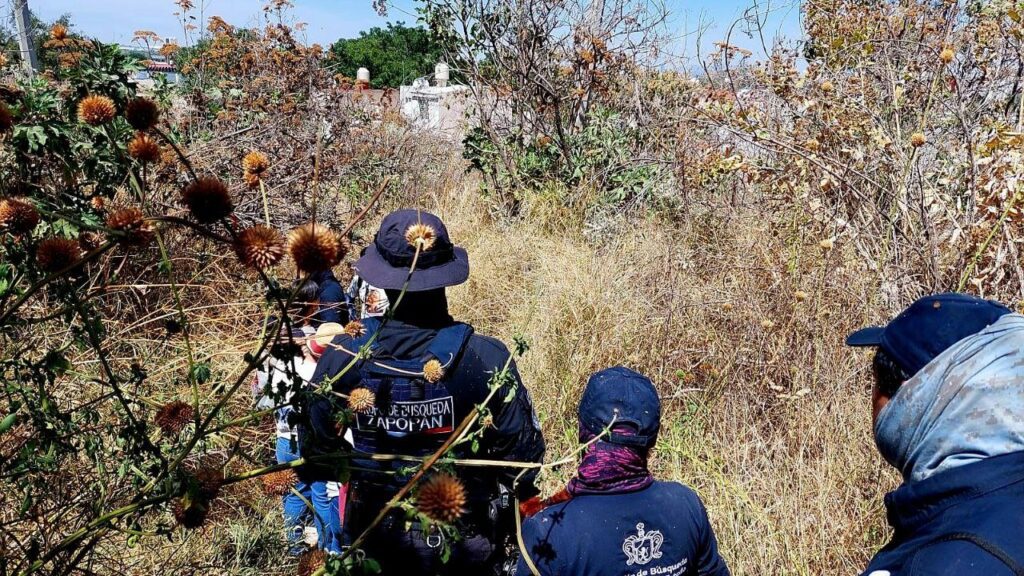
[(980, 542)]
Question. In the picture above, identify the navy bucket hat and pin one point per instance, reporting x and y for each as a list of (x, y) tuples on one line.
[(626, 397), (385, 263), (928, 327)]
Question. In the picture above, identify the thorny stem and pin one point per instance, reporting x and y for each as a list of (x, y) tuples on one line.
[(181, 314), (266, 203)]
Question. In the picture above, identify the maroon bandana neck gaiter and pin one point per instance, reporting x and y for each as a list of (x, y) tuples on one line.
[(610, 468)]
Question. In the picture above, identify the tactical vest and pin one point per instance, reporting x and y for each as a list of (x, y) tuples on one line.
[(411, 416)]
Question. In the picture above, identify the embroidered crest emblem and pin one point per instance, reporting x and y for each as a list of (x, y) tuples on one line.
[(643, 547)]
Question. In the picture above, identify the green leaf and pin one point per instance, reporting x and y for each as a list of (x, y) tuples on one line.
[(200, 372), (8, 422)]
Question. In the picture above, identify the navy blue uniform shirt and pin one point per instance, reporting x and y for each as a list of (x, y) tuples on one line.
[(515, 433), (965, 521), (660, 530)]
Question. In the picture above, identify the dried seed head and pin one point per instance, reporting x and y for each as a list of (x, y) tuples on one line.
[(251, 180), (190, 512), (144, 149), (209, 480), (442, 498), (315, 247), (98, 203), (173, 417), (55, 254), (259, 246), (727, 306), (207, 199), (310, 561), (6, 118), (947, 55), (827, 86), (800, 295), (142, 114), (17, 216), (58, 32), (90, 241), (131, 222), (827, 244), (361, 400), (255, 163), (917, 139), (95, 110), (279, 483), (355, 329), (433, 371), (767, 324), (421, 234)]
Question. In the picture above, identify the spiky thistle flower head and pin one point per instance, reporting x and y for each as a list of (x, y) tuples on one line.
[(96, 109), (174, 416), (259, 246), (433, 371), (442, 498), (256, 163), (315, 247), (207, 199), (361, 400), (280, 482), (190, 512), (251, 180), (355, 329), (209, 480), (18, 216), (311, 561), (142, 114), (918, 139), (55, 253), (144, 149), (89, 240), (422, 235), (131, 222), (6, 119), (58, 32)]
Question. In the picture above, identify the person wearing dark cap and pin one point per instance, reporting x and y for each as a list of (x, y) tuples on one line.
[(948, 413), (614, 518), (423, 374)]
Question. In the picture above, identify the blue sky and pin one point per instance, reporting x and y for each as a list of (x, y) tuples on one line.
[(328, 20)]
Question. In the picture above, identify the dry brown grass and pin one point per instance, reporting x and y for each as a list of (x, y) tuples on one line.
[(765, 411)]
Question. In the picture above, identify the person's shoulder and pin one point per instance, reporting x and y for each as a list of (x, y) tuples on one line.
[(675, 491), (953, 558), (487, 345)]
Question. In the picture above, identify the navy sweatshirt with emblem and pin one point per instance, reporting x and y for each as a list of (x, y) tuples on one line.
[(515, 433), (660, 530), (965, 521)]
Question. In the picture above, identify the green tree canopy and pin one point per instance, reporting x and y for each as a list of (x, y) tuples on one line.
[(394, 55)]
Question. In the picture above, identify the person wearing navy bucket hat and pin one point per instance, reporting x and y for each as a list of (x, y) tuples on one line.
[(948, 413), (614, 518), (424, 374)]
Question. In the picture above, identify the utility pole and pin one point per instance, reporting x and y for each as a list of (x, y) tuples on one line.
[(24, 22)]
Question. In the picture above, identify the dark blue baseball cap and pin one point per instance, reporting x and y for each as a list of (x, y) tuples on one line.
[(385, 263), (929, 327), (626, 397)]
